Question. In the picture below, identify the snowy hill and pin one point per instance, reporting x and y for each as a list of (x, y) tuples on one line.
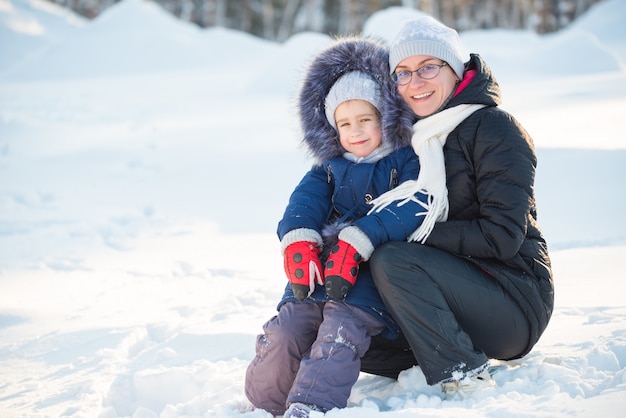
[(143, 169)]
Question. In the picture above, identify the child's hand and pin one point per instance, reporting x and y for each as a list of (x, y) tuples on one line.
[(342, 267), (303, 268)]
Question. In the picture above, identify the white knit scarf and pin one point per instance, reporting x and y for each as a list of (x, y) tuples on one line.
[(429, 137)]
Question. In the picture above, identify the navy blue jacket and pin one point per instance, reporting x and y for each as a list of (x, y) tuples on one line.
[(336, 194)]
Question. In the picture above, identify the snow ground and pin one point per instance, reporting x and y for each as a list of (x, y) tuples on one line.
[(143, 169)]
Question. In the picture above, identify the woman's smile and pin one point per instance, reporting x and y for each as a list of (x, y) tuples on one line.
[(423, 95)]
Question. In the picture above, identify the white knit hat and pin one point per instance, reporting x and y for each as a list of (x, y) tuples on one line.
[(354, 85), (427, 36)]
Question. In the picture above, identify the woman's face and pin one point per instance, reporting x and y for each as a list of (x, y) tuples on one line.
[(425, 97)]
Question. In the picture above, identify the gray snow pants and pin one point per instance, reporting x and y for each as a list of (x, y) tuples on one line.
[(454, 315), (309, 353)]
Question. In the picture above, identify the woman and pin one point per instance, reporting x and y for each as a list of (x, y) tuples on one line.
[(476, 283)]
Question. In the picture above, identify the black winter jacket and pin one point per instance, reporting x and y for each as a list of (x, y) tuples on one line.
[(490, 169)]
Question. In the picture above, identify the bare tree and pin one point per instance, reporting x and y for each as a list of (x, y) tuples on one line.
[(286, 24), (280, 19), (311, 16)]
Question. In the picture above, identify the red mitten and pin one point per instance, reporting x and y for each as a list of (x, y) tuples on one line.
[(303, 267), (342, 267)]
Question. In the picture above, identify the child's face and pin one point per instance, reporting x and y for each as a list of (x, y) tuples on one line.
[(358, 125)]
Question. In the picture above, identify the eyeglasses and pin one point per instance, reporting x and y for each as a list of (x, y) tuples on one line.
[(426, 72)]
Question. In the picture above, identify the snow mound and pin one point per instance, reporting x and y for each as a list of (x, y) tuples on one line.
[(606, 21), (125, 15), (225, 46), (386, 23), (558, 55), (283, 70), (114, 44), (27, 27)]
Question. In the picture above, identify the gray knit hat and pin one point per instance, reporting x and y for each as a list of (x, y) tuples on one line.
[(427, 36), (352, 86)]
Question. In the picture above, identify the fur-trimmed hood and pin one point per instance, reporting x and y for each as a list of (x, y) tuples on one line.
[(346, 54)]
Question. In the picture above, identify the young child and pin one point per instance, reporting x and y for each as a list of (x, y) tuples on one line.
[(308, 357)]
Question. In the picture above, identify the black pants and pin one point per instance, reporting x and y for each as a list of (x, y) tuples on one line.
[(454, 315)]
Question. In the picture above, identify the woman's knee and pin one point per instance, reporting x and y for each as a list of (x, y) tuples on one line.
[(385, 259), (394, 262), (387, 253), (401, 253)]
